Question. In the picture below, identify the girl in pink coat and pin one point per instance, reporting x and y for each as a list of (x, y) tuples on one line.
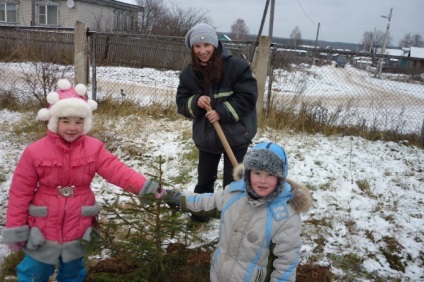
[(51, 205)]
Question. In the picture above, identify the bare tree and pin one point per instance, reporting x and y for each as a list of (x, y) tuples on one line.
[(296, 36), (376, 39), (159, 19), (178, 21), (41, 78), (368, 40), (154, 11), (239, 30), (409, 40)]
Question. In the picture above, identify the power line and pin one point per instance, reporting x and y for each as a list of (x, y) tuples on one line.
[(300, 5)]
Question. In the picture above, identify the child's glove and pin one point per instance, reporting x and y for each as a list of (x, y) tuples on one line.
[(172, 198), (15, 247), (150, 187)]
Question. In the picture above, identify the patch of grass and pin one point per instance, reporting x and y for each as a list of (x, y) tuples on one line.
[(326, 186), (323, 222), (131, 106), (2, 177), (350, 225), (312, 187), (369, 234), (321, 242), (391, 253), (8, 268), (285, 113), (351, 264), (365, 187), (296, 113), (29, 129)]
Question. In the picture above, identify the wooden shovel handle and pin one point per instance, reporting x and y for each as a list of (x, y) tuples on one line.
[(224, 141)]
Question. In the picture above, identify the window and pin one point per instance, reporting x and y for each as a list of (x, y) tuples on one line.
[(123, 20), (8, 12), (48, 13)]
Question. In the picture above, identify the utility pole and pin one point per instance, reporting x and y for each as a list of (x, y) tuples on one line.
[(383, 49), (316, 38)]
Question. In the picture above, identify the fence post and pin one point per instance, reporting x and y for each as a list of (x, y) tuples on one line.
[(422, 134), (260, 70), (93, 65), (81, 54)]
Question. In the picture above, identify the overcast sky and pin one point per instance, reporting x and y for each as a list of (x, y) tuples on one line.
[(340, 20)]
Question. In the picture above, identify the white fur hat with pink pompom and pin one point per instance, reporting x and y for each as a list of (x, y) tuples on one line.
[(68, 101)]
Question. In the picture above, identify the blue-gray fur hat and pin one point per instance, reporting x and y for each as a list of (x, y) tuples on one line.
[(201, 33), (269, 157)]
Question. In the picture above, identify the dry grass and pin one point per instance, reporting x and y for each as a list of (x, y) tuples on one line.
[(285, 114)]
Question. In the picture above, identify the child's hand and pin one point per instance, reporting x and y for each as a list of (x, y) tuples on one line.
[(172, 198), (15, 247), (161, 193)]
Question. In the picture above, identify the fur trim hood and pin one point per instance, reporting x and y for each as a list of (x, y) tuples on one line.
[(302, 199)]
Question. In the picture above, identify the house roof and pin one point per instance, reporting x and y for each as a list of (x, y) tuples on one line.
[(116, 4), (392, 52), (224, 37), (416, 52), (395, 52)]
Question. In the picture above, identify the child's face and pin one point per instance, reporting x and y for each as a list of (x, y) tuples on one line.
[(70, 128), (203, 51), (263, 183)]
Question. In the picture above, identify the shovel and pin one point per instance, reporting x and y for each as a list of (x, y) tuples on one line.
[(224, 141)]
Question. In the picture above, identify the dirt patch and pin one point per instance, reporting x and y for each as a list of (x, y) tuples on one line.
[(313, 273)]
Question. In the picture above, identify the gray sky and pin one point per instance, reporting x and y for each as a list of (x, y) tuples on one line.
[(340, 20)]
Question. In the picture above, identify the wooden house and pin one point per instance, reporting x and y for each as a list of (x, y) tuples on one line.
[(99, 15)]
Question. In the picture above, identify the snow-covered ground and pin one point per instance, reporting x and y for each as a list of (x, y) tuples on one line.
[(368, 196), (394, 102)]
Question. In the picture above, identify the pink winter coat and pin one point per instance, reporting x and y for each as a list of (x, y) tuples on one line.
[(55, 221)]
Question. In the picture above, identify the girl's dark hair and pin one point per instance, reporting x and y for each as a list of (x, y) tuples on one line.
[(212, 73)]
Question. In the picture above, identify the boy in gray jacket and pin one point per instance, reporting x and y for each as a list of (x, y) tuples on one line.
[(260, 225)]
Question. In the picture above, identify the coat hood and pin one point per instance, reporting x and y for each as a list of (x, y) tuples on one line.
[(302, 199)]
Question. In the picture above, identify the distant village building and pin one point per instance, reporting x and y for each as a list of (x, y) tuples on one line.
[(224, 37), (417, 53), (99, 15)]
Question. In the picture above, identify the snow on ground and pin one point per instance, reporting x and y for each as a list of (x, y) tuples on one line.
[(366, 194)]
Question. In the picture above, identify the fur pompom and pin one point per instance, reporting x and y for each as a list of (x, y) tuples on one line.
[(81, 89), (53, 97), (92, 104), (64, 84), (43, 114)]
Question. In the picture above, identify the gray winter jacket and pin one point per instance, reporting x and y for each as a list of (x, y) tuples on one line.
[(257, 241)]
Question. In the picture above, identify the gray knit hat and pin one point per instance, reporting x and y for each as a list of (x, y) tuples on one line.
[(201, 33), (269, 157)]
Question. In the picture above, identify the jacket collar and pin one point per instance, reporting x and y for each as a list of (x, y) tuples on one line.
[(56, 139)]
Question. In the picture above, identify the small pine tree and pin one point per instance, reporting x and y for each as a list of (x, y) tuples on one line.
[(136, 232)]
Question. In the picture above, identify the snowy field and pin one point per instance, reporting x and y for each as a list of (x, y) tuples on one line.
[(367, 195)]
